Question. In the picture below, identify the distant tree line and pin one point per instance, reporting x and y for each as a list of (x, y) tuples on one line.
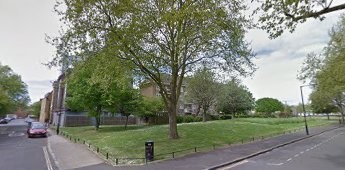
[(13, 91)]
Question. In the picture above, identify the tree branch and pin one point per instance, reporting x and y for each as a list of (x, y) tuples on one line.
[(316, 14)]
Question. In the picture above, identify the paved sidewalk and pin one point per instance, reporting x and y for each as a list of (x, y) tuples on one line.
[(68, 155)]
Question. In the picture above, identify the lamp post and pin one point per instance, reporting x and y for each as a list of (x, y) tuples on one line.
[(58, 124), (304, 114), (305, 118), (59, 120)]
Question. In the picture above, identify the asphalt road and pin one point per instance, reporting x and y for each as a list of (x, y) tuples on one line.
[(322, 152), (18, 152)]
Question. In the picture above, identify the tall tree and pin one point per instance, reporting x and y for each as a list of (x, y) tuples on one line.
[(326, 71), (35, 108), (202, 90), (163, 37), (331, 81), (322, 103), (5, 103), (150, 107), (100, 83), (312, 64), (278, 16), (234, 98), (13, 91), (268, 105), (125, 101)]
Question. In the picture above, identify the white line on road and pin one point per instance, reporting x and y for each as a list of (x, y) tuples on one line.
[(275, 164), (52, 153), (289, 160), (296, 155), (46, 156), (234, 165)]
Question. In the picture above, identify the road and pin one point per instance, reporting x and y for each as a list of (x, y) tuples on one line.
[(322, 152), (18, 152)]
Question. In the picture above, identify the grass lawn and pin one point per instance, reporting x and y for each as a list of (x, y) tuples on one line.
[(129, 143)]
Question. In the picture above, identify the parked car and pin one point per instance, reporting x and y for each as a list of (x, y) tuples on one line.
[(11, 116), (3, 121), (37, 129)]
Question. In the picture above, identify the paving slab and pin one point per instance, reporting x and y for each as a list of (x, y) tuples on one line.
[(68, 155)]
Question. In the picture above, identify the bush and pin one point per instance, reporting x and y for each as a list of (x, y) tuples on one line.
[(242, 116), (179, 119), (225, 117), (214, 117), (285, 114), (262, 115), (188, 119)]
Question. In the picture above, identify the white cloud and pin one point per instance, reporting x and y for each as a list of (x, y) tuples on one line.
[(37, 89), (25, 23), (280, 59), (22, 41)]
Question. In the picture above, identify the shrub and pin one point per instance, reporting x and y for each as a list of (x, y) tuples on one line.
[(198, 119), (284, 114), (188, 119), (225, 117), (179, 119), (214, 117), (262, 115)]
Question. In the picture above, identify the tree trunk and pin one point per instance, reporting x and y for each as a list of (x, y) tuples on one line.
[(204, 114), (98, 117), (98, 120), (327, 116), (126, 121), (342, 113), (198, 110), (172, 112)]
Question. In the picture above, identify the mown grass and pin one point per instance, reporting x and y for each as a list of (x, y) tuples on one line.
[(121, 143)]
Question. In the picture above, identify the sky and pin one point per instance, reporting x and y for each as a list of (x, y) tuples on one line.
[(24, 24)]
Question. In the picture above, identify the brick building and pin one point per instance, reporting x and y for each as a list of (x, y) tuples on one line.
[(45, 108), (185, 107)]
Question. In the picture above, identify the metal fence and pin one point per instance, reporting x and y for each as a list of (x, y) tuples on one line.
[(169, 155)]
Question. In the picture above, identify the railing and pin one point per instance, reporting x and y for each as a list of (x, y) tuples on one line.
[(105, 154), (169, 155)]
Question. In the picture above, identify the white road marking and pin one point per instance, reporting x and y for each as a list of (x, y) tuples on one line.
[(234, 165), (302, 152), (307, 150), (296, 155), (15, 134), (275, 164), (288, 159), (46, 156), (52, 154)]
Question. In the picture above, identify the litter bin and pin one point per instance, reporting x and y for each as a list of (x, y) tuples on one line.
[(149, 145)]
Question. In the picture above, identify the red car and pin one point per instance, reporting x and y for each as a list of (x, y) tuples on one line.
[(37, 129)]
